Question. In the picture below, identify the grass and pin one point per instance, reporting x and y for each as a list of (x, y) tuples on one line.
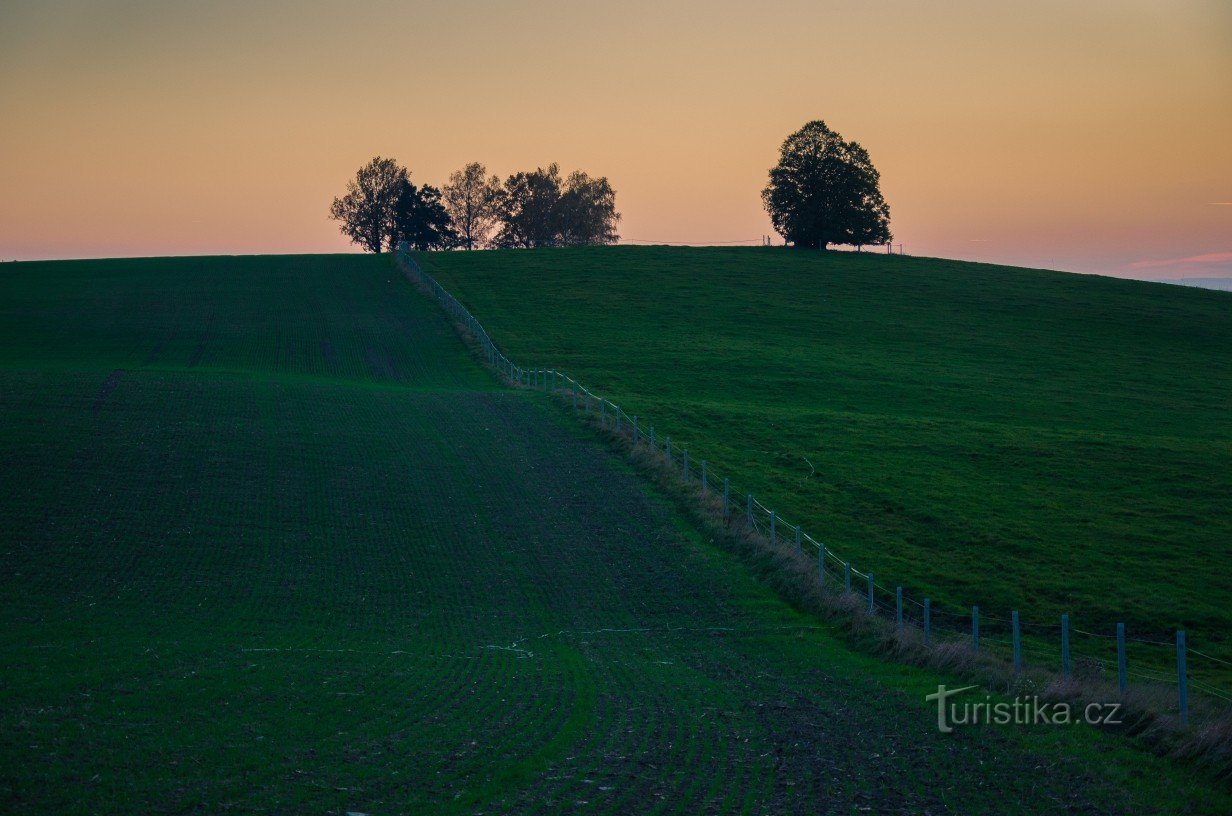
[(275, 543), (1012, 438)]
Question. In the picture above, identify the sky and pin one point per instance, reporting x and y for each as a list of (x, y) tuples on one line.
[(1084, 135)]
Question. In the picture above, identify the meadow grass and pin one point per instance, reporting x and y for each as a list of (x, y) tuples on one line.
[(1009, 438), (273, 542)]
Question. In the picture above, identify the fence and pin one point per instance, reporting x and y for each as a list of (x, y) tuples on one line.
[(1080, 652)]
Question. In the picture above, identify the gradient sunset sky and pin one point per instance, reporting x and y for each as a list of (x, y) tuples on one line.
[(1081, 135)]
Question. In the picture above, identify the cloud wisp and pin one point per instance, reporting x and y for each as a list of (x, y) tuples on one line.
[(1211, 259)]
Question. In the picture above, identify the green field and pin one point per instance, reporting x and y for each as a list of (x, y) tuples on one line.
[(272, 542), (1012, 438)]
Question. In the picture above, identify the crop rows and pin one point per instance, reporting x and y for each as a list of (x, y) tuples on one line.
[(251, 574)]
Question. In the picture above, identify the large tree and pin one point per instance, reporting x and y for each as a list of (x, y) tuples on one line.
[(587, 211), (825, 190), (470, 198), (540, 209), (382, 208), (420, 219)]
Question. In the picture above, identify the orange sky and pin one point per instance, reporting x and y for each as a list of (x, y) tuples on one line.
[(1080, 135)]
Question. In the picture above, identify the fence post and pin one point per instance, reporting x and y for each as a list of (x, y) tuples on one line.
[(1182, 678), (975, 628), (898, 612), (1065, 645), (928, 621), (870, 593), (773, 533), (685, 456), (821, 563), (1017, 640), (847, 575), (1122, 674), (799, 545), (726, 497), (705, 483)]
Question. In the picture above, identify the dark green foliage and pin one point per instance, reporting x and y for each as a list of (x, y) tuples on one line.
[(825, 190)]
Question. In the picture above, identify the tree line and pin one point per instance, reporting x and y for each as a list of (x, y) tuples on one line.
[(824, 190), (383, 208)]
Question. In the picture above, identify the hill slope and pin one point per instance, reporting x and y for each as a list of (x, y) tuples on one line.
[(1012, 438), (272, 542)]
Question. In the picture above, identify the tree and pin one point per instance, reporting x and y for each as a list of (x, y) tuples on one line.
[(587, 211), (470, 198), (382, 207), (825, 190), (420, 219), (527, 206), (539, 209)]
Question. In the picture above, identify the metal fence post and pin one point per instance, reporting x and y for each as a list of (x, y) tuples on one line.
[(928, 621), (870, 593), (898, 612), (975, 628), (1182, 678), (1017, 640), (1122, 674), (1065, 645)]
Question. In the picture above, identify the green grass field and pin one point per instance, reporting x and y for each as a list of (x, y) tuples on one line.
[(1017, 439), (272, 542)]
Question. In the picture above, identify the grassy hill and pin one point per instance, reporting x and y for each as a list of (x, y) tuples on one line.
[(272, 542), (1013, 438)]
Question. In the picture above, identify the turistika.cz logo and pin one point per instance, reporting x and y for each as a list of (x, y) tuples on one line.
[(1018, 711)]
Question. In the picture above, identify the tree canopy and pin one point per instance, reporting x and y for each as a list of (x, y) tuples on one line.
[(540, 209), (825, 190), (383, 208), (470, 198)]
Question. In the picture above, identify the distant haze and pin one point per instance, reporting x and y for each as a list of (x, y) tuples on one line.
[(1222, 284), (1079, 135)]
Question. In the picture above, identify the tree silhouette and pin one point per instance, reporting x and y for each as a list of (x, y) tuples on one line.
[(825, 190), (382, 207), (539, 209), (470, 198)]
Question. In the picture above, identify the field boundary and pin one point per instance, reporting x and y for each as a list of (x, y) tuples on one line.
[(992, 641)]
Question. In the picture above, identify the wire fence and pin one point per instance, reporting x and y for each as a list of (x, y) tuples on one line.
[(1059, 647)]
